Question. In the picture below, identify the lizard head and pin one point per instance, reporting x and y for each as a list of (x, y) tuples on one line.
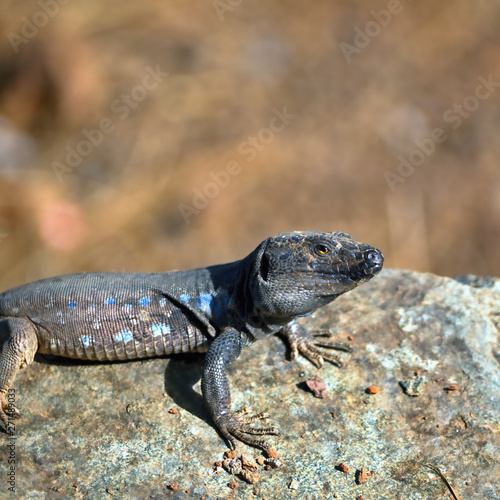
[(297, 272)]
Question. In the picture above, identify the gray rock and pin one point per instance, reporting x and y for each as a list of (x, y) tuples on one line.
[(413, 386), (103, 430)]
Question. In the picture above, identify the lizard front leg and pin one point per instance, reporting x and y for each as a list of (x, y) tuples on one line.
[(19, 347), (221, 354)]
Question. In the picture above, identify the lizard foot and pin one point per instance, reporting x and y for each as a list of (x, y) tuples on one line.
[(235, 425), (7, 413), (309, 344)]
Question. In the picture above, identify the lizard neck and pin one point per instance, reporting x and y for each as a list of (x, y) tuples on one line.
[(250, 302)]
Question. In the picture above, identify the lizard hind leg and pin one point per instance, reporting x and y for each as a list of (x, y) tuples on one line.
[(20, 344)]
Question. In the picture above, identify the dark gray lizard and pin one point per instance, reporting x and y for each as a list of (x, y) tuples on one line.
[(217, 310)]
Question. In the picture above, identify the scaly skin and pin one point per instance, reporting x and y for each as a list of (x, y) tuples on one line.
[(218, 310)]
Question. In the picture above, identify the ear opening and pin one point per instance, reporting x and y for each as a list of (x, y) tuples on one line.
[(264, 267)]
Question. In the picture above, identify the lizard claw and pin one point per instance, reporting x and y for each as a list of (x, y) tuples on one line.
[(7, 413), (234, 425), (310, 344)]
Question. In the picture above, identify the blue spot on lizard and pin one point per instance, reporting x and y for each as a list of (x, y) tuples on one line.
[(86, 341), (124, 336), (144, 301), (205, 302), (160, 329)]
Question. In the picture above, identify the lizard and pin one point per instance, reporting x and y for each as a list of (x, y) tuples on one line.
[(217, 310)]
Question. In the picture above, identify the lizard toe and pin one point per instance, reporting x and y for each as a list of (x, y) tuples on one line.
[(7, 413), (313, 345), (236, 426)]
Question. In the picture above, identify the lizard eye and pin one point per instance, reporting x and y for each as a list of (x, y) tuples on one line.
[(322, 249)]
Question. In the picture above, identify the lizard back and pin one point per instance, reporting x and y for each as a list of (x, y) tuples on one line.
[(113, 316)]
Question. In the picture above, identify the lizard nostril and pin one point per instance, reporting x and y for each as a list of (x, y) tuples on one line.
[(374, 257)]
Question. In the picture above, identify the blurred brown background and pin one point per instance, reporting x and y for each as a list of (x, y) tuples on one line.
[(311, 107)]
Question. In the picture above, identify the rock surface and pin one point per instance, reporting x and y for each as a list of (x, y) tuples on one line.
[(428, 344)]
